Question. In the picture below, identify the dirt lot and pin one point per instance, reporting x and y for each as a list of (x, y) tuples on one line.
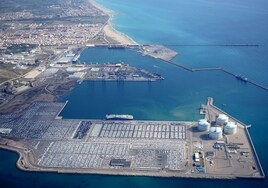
[(38, 94), (7, 72)]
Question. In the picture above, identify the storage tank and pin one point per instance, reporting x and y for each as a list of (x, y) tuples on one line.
[(230, 128), (215, 133), (203, 125), (222, 119)]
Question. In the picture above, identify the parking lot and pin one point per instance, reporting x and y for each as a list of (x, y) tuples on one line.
[(81, 154), (74, 143), (134, 129), (97, 153), (43, 111)]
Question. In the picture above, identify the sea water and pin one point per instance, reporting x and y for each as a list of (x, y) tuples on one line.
[(178, 97)]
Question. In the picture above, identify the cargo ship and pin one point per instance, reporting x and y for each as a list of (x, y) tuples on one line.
[(119, 117), (242, 78)]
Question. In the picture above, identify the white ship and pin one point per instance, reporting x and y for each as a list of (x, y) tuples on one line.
[(119, 117)]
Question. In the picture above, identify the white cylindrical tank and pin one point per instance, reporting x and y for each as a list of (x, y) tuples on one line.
[(230, 128), (215, 133), (222, 119), (203, 125)]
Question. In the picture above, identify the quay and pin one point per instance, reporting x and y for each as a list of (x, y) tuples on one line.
[(47, 142), (210, 111), (107, 72)]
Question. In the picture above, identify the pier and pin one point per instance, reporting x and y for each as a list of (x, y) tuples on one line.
[(169, 58), (253, 82), (152, 148), (224, 45)]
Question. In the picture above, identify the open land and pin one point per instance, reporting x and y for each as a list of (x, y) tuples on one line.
[(158, 51), (46, 142)]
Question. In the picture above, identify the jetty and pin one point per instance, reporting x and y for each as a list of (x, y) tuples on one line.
[(224, 45), (247, 80)]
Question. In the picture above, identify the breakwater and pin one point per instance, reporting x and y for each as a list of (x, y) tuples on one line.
[(224, 45), (237, 75)]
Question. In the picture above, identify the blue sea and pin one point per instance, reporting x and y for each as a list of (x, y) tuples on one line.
[(178, 97)]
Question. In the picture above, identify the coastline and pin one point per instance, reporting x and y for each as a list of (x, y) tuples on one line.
[(109, 31)]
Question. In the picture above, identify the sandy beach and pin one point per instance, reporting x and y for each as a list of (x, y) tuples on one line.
[(109, 30)]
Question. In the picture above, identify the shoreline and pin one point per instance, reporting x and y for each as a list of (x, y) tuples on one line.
[(109, 30)]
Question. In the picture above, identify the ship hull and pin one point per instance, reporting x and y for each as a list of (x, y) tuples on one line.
[(118, 117)]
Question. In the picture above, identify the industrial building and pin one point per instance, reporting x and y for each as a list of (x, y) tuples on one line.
[(196, 157), (120, 162)]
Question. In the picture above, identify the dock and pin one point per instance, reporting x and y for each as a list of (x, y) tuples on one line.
[(145, 148), (118, 72)]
